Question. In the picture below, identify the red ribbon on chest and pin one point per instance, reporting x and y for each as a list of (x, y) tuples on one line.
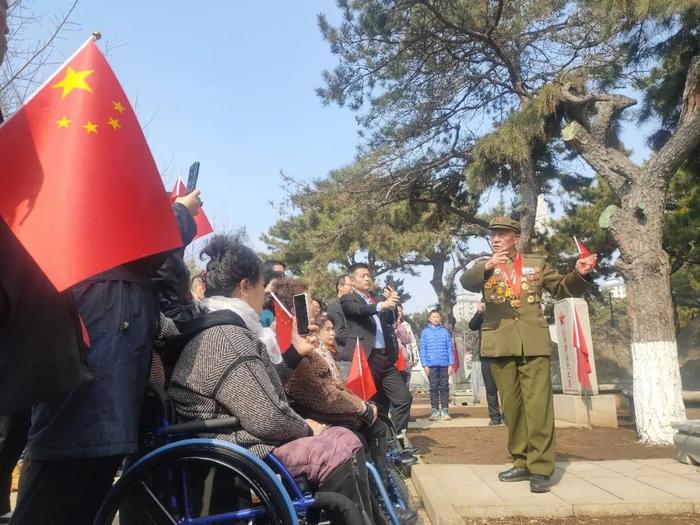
[(513, 280)]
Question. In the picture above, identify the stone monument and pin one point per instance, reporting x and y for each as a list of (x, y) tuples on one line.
[(580, 402)]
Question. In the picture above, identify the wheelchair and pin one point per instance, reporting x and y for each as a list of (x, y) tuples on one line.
[(181, 480)]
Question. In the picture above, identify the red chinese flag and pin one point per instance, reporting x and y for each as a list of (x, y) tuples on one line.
[(401, 364), (582, 250), (61, 154), (455, 357), (582, 358), (360, 380), (283, 326), (203, 225)]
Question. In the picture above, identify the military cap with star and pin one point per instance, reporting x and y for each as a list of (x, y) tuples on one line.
[(504, 223)]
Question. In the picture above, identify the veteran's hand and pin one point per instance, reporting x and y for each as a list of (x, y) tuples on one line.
[(586, 264), (496, 259)]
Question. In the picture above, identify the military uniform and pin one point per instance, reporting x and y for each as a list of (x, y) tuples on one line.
[(516, 334)]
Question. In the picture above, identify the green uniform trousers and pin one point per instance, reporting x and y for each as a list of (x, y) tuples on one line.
[(525, 386)]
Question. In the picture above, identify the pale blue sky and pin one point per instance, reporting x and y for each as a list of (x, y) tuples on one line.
[(230, 84)]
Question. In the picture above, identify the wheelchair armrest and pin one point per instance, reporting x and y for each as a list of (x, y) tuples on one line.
[(204, 426)]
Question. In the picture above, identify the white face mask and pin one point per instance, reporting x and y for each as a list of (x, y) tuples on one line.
[(251, 320)]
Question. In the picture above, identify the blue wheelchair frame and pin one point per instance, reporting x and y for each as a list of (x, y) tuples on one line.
[(296, 502)]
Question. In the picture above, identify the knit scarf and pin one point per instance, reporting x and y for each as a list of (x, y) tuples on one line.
[(250, 318)]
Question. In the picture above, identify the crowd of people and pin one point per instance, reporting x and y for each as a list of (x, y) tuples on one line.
[(226, 362), (291, 401)]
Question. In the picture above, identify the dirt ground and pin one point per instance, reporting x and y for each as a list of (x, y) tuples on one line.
[(487, 445)]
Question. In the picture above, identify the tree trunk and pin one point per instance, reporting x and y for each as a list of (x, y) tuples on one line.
[(646, 269), (444, 288), (529, 189)]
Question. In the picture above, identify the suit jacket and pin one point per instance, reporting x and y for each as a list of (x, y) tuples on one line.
[(508, 331), (335, 314), (360, 324)]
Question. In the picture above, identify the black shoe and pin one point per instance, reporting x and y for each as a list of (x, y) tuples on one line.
[(409, 461), (514, 474), (494, 422), (406, 516), (540, 483)]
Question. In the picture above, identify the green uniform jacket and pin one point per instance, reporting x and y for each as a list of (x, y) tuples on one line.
[(509, 331)]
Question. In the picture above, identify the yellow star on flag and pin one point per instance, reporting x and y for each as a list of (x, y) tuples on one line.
[(90, 127), (114, 123), (63, 123), (74, 80), (118, 107)]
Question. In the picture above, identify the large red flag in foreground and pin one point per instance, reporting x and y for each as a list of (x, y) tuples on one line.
[(201, 220), (360, 380), (61, 154), (283, 324)]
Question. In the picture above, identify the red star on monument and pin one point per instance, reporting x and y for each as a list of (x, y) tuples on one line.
[(561, 318)]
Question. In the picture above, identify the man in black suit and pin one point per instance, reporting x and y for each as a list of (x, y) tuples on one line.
[(343, 286), (369, 321)]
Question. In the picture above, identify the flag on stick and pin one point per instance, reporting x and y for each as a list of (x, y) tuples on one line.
[(283, 324), (80, 188), (582, 359), (204, 227), (360, 380), (582, 250), (455, 357), (401, 364)]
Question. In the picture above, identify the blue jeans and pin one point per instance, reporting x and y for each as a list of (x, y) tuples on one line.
[(439, 387)]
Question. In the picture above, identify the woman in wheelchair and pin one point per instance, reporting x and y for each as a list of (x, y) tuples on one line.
[(226, 369), (317, 391)]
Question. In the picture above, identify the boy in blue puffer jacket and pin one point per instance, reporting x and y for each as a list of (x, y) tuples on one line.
[(436, 357)]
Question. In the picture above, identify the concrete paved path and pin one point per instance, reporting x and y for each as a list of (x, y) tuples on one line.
[(451, 493)]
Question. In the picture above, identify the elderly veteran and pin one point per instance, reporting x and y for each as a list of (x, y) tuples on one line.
[(516, 335)]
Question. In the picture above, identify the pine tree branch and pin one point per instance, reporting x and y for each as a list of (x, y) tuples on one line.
[(666, 162)]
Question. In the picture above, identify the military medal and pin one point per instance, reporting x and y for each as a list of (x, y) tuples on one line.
[(514, 281), (497, 271), (531, 299), (500, 291), (488, 285), (501, 299), (524, 286)]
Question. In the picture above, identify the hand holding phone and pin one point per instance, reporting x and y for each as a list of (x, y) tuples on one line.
[(193, 177), (301, 312)]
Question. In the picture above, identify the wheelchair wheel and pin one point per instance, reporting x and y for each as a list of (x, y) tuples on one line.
[(197, 479), (398, 490)]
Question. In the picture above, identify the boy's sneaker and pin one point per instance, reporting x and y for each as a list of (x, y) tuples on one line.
[(434, 416), (445, 416)]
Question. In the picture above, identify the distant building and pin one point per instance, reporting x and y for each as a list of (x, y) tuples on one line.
[(465, 307), (614, 287)]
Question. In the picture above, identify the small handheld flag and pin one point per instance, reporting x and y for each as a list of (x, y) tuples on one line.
[(204, 227), (582, 357), (360, 380), (283, 324)]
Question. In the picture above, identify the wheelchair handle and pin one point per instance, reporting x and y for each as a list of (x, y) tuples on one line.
[(203, 426)]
